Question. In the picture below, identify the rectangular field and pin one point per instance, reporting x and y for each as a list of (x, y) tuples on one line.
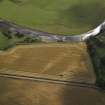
[(66, 61)]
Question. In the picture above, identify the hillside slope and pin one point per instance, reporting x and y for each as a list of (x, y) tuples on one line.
[(55, 16)]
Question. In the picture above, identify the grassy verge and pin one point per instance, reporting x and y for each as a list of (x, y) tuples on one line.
[(96, 48)]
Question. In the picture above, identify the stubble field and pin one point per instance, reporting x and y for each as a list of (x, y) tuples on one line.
[(20, 92), (67, 61)]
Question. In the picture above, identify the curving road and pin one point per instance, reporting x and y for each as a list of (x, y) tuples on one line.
[(99, 29), (49, 37)]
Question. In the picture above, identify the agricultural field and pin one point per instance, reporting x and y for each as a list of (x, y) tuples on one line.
[(54, 16), (21, 92), (66, 61)]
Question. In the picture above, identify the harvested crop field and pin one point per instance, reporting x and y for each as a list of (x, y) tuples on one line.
[(20, 92), (65, 61)]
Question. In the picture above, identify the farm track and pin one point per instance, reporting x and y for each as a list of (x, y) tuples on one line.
[(44, 78)]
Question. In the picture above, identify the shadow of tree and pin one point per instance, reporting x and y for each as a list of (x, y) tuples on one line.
[(82, 96), (86, 13), (77, 95), (1, 1)]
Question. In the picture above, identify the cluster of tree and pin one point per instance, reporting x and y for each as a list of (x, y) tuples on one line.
[(97, 52), (30, 40), (7, 34), (25, 38)]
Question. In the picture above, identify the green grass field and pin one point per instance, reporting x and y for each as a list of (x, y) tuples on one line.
[(55, 16)]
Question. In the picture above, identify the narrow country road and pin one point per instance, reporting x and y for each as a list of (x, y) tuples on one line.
[(49, 37)]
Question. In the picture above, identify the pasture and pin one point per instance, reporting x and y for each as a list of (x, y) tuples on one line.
[(55, 16)]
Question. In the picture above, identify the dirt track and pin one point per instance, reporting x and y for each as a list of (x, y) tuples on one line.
[(44, 78)]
